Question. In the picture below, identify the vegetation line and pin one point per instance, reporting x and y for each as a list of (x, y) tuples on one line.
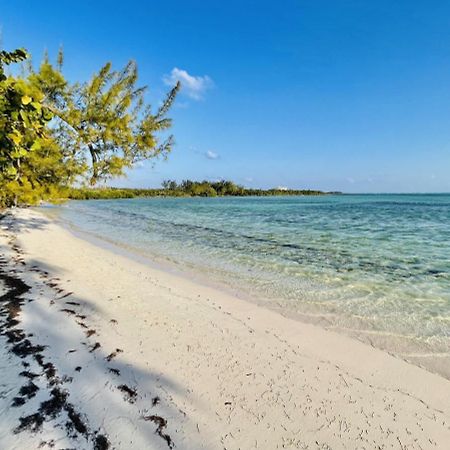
[(187, 188)]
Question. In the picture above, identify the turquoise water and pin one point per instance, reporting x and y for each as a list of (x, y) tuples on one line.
[(374, 266)]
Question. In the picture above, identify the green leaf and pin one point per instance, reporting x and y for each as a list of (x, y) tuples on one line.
[(11, 171), (47, 114), (36, 146), (24, 116), (36, 105), (16, 138)]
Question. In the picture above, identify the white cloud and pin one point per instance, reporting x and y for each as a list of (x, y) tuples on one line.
[(214, 179), (209, 154), (212, 155), (193, 86)]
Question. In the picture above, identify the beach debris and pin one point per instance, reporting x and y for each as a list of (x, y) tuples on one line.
[(113, 354), (101, 442), (71, 303), (95, 347), (28, 374), (131, 393), (28, 390), (50, 444), (161, 426), (32, 423), (11, 303), (49, 370), (90, 332), (26, 348), (18, 401)]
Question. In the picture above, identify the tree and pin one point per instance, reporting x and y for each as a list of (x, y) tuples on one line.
[(170, 185), (32, 167), (186, 185), (226, 188), (105, 122), (53, 133)]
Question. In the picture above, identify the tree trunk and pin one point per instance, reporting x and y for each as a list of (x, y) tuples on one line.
[(94, 164)]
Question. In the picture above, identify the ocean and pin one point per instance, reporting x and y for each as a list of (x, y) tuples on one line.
[(375, 267)]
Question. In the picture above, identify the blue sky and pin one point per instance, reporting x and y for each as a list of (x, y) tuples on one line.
[(335, 95)]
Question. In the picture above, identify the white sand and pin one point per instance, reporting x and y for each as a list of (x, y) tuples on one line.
[(226, 373)]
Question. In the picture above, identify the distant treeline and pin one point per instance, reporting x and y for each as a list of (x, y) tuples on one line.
[(187, 188)]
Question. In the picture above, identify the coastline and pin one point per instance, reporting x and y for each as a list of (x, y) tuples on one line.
[(404, 344), (197, 367)]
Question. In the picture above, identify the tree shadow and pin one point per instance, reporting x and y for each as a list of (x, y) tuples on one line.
[(133, 398), (22, 224), (85, 384)]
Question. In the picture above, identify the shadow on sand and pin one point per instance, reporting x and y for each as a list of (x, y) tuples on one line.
[(100, 397)]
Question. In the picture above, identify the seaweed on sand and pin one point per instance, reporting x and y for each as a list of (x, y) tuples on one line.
[(161, 426)]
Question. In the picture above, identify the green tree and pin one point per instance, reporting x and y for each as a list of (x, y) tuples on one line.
[(170, 185), (32, 166), (105, 122), (53, 133)]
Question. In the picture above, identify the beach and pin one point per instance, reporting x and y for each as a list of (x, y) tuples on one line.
[(100, 350)]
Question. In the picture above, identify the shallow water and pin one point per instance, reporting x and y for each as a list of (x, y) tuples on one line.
[(374, 266)]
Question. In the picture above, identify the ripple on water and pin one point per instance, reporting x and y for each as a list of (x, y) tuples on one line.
[(376, 267)]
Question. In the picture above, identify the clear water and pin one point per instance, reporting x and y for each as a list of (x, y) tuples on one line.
[(373, 266)]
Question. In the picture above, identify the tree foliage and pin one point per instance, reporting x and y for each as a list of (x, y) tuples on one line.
[(225, 188), (187, 188), (53, 133), (105, 122), (32, 166)]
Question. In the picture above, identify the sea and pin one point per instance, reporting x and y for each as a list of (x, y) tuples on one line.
[(374, 267)]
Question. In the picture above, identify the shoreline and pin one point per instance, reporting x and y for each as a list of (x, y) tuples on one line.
[(226, 373), (403, 346)]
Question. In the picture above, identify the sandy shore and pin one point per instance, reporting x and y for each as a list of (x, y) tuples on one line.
[(101, 351)]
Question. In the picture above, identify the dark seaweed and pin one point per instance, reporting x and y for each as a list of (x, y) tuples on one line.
[(161, 426)]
